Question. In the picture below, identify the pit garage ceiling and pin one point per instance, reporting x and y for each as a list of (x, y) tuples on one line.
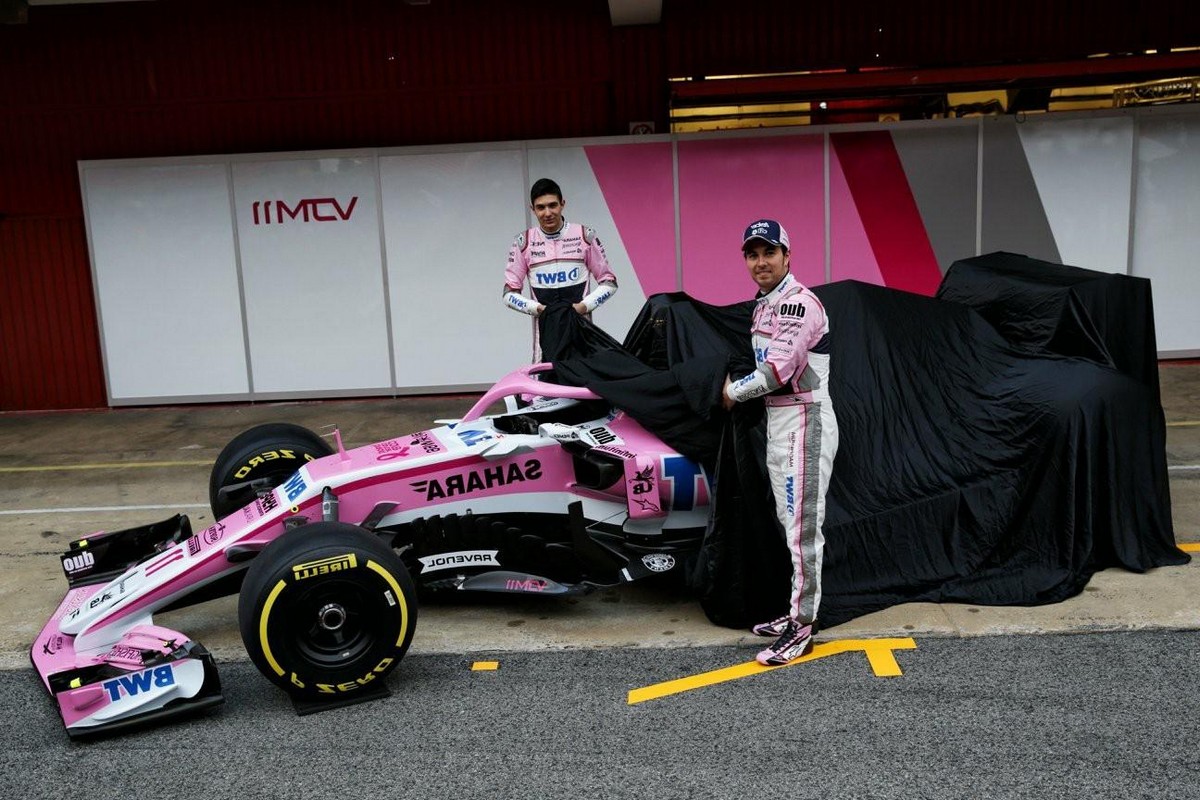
[(622, 12), (635, 12)]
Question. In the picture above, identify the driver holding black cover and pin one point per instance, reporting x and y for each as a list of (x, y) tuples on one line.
[(790, 333), (559, 260)]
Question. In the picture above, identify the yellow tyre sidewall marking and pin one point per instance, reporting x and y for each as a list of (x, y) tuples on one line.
[(262, 627), (391, 580), (264, 618)]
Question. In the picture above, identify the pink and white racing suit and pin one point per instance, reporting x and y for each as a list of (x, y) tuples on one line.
[(791, 345), (559, 268)]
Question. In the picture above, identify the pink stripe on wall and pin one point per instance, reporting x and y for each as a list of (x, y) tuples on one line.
[(851, 256), (637, 183), (888, 211), (724, 185)]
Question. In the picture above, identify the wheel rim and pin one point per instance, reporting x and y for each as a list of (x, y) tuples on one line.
[(330, 623)]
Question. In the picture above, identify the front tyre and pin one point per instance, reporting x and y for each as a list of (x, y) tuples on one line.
[(327, 610), (264, 456)]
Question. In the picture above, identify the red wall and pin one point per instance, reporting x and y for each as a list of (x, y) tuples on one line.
[(175, 78), (185, 77)]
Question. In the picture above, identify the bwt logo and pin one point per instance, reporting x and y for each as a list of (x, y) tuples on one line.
[(563, 276), (139, 682), (310, 209), (295, 486)]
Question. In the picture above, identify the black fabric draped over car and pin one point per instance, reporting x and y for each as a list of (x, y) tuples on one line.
[(996, 448)]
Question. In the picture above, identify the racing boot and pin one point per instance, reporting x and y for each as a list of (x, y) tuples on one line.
[(773, 629), (794, 642)]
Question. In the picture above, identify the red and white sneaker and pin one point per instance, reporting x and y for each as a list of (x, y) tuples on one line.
[(794, 642)]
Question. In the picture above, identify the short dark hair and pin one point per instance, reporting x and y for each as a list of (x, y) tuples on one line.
[(544, 186)]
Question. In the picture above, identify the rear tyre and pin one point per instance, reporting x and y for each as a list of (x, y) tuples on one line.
[(327, 610), (265, 455)]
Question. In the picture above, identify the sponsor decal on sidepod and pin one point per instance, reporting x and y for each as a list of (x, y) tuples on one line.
[(462, 558)]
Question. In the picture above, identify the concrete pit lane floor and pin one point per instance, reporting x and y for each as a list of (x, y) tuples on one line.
[(66, 474)]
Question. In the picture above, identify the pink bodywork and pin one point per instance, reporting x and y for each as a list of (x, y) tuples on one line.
[(411, 475)]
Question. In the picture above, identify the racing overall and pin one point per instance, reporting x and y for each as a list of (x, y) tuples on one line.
[(559, 267), (791, 346)]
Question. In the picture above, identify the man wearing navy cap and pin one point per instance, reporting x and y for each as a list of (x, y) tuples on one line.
[(790, 332)]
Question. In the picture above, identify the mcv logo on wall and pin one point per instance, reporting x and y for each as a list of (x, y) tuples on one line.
[(308, 209)]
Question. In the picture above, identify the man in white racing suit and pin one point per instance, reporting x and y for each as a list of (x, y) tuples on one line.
[(790, 333), (559, 259)]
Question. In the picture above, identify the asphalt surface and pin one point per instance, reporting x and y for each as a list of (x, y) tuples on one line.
[(992, 701), (1072, 716)]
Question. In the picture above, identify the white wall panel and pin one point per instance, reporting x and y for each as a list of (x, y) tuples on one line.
[(417, 238), (1082, 168), (312, 274), (569, 167), (449, 218), (166, 282), (1167, 227)]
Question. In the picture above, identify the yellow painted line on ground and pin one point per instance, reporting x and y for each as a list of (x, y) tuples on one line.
[(878, 651), (485, 666), (1185, 424), (16, 512), (1190, 547), (116, 465)]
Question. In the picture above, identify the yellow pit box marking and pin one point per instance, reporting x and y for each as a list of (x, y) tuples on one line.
[(879, 652)]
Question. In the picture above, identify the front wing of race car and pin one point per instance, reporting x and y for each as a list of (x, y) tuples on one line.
[(149, 673)]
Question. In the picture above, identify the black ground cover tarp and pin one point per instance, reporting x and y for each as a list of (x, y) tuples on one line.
[(971, 468)]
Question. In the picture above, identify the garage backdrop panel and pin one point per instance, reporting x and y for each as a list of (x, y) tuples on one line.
[(312, 269), (1166, 229), (448, 220), (163, 257)]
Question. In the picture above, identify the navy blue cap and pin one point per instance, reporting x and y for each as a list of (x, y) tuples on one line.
[(769, 231)]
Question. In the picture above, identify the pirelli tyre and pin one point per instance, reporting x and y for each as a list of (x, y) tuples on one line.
[(262, 457), (327, 610)]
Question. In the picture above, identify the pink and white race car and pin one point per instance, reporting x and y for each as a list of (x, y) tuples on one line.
[(558, 494)]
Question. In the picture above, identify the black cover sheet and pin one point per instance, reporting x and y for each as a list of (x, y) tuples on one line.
[(970, 468), (1047, 307)]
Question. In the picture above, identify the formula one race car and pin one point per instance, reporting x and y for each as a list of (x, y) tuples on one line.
[(558, 494)]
